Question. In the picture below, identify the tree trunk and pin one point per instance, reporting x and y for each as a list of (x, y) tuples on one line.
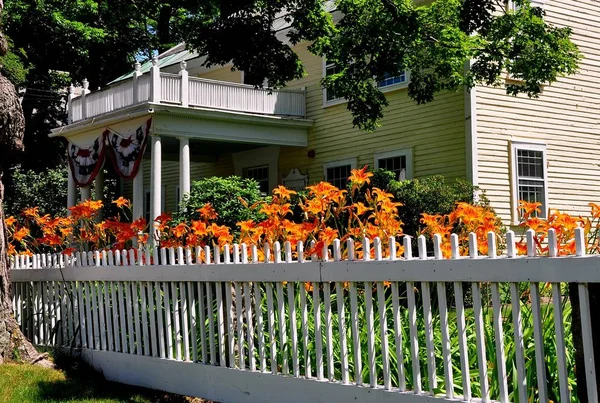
[(12, 126)]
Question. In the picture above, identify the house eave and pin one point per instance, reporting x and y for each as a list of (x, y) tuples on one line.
[(149, 108)]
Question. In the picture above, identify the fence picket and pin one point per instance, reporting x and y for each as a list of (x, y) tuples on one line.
[(101, 324), (153, 287), (168, 325), (240, 325), (462, 340), (145, 339), (271, 318), (304, 325), (136, 316), (221, 321), (563, 379), (540, 360), (354, 320), (370, 332), (230, 323), (259, 326), (130, 326), (339, 289), (382, 307), (328, 330), (176, 301), (480, 343), (519, 342), (398, 337), (122, 318), (250, 328), (91, 324), (193, 318), (211, 325), (318, 332), (109, 317), (202, 309)]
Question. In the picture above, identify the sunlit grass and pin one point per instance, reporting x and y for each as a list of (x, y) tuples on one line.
[(21, 383)]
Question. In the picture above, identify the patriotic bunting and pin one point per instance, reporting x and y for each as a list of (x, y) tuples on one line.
[(85, 162), (125, 150)]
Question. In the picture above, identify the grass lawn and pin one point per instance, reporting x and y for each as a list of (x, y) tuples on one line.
[(74, 383)]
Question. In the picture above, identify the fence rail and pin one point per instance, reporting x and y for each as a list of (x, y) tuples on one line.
[(481, 327)]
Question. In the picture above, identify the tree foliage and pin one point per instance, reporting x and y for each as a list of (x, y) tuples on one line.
[(381, 38)]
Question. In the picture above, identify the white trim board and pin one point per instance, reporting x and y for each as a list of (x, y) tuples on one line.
[(234, 385)]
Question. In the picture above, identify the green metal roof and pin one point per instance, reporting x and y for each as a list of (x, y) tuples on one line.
[(167, 60)]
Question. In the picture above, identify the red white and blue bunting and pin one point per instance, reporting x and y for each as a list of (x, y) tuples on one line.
[(125, 150), (85, 162)]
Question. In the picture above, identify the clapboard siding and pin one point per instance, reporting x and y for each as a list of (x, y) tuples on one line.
[(435, 132), (566, 118), (223, 74)]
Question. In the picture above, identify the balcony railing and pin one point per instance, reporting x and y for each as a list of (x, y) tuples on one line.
[(192, 92)]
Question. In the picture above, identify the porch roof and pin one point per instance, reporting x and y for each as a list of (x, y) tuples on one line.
[(199, 124)]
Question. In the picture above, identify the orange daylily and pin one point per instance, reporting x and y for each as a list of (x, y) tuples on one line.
[(122, 202)]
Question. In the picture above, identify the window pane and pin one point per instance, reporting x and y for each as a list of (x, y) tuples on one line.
[(338, 176), (388, 80), (330, 69), (530, 163), (396, 165), (532, 191), (259, 174)]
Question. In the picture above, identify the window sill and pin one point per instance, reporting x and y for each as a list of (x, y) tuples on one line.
[(334, 102), (393, 87)]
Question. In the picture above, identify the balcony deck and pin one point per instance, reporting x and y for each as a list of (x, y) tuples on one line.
[(192, 92)]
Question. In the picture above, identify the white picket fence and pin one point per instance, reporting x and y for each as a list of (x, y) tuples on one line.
[(222, 325)]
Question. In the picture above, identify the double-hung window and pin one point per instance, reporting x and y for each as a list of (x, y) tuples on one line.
[(399, 162), (337, 172), (530, 175), (330, 69), (261, 175), (392, 81)]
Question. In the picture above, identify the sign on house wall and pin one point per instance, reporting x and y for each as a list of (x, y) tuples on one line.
[(295, 180)]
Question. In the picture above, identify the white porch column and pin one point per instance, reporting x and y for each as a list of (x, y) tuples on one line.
[(71, 190), (185, 98), (184, 167), (136, 74), (156, 188), (138, 192), (85, 91), (70, 104), (86, 193), (155, 82)]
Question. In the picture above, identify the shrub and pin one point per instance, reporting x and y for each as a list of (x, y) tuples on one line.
[(46, 190), (230, 197), (431, 195)]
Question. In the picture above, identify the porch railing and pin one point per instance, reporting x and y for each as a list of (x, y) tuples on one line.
[(240, 324), (179, 89)]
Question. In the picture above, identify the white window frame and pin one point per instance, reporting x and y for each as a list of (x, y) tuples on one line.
[(335, 101), (407, 152), (530, 146), (258, 157), (394, 87), (245, 170), (338, 163)]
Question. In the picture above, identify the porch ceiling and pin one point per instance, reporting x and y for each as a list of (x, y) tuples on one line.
[(200, 150)]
